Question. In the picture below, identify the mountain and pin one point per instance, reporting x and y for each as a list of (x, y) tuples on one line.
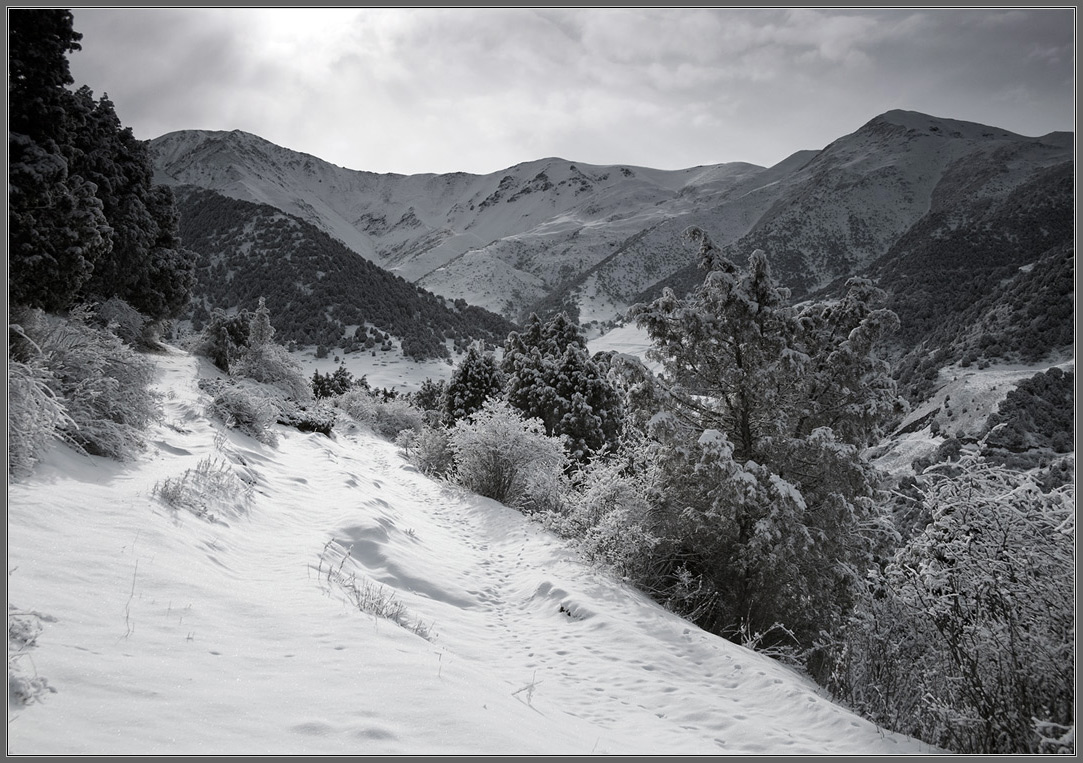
[(553, 234), (503, 241)]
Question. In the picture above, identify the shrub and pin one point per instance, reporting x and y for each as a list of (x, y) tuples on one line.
[(329, 385), (608, 514), (501, 455), (130, 325), (243, 407), (429, 450), (23, 631), (103, 383), (212, 486), (365, 595), (387, 418), (224, 338), (966, 639), (307, 417), (272, 364), (35, 415)]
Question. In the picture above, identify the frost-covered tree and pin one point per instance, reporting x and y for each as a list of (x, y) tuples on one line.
[(86, 222), (146, 265), (769, 509), (475, 380), (331, 384), (57, 228), (552, 377)]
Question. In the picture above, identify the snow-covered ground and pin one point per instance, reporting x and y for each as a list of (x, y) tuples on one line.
[(163, 632), (961, 406)]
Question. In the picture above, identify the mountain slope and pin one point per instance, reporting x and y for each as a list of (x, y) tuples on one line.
[(318, 291), (502, 241), (552, 234), (161, 632)]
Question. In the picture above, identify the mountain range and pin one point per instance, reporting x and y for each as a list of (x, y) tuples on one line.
[(941, 213)]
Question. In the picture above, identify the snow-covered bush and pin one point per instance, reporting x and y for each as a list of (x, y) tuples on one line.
[(103, 384), (211, 488), (387, 417), (273, 364), (966, 639), (35, 415), (429, 450), (606, 512), (224, 338), (134, 328), (243, 345), (307, 417), (503, 456), (245, 407), (25, 687)]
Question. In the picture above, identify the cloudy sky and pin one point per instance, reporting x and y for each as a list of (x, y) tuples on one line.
[(479, 90)]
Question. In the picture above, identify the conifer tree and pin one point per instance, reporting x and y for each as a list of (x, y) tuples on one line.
[(86, 223), (477, 379), (769, 506), (57, 227), (551, 377)]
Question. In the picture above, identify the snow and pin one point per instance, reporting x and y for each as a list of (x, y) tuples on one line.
[(166, 633), (962, 406)]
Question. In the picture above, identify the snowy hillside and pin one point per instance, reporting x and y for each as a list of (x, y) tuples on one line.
[(229, 623), (502, 241)]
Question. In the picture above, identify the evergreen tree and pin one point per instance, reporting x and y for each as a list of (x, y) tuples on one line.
[(86, 223), (768, 506), (57, 228), (476, 380), (145, 266), (551, 377)]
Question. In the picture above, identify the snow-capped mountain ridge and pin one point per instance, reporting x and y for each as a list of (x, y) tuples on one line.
[(591, 237)]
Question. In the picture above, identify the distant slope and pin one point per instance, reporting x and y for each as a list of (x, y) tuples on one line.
[(317, 290), (503, 241), (900, 199)]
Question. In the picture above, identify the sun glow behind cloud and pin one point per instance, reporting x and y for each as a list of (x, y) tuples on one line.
[(439, 90)]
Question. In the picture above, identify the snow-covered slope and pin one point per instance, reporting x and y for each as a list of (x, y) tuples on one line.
[(165, 633), (863, 192), (551, 232), (525, 229)]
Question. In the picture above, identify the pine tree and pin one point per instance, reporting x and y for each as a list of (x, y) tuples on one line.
[(145, 266), (57, 228), (476, 380), (770, 509), (551, 377), (85, 221)]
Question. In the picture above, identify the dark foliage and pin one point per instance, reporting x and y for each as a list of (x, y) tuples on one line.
[(319, 292), (331, 384), (86, 222), (1036, 415)]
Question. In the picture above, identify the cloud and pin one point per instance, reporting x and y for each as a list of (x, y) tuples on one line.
[(435, 90)]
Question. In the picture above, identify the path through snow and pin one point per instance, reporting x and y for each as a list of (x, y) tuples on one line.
[(172, 634)]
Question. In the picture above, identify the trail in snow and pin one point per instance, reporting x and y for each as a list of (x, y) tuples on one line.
[(173, 634)]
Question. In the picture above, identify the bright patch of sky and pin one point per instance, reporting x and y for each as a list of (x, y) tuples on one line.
[(479, 90)]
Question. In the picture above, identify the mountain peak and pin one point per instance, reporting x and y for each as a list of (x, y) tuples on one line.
[(917, 122)]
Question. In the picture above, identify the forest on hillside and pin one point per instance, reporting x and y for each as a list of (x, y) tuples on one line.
[(318, 291)]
